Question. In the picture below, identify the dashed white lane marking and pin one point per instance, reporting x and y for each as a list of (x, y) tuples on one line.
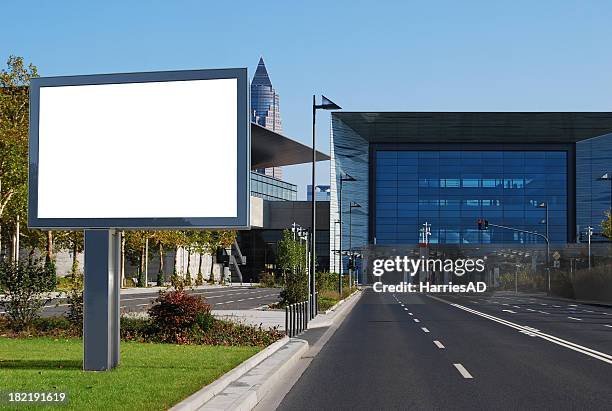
[(516, 306), (464, 373), (573, 318), (405, 309), (557, 306), (410, 314), (439, 344), (543, 312), (424, 329), (416, 320), (606, 325), (509, 311), (529, 309)]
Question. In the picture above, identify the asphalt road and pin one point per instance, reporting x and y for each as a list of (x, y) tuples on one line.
[(412, 351), (230, 298)]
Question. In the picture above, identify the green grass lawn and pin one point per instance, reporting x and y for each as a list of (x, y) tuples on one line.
[(149, 377)]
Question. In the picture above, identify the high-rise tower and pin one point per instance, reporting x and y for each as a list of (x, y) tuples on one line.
[(265, 108)]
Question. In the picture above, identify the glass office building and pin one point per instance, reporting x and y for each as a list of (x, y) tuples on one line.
[(452, 189), (450, 169), (265, 109)]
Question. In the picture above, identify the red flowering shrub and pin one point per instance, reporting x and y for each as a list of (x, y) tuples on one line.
[(178, 316)]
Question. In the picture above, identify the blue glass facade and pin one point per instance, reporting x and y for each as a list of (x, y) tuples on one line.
[(593, 195), (452, 189)]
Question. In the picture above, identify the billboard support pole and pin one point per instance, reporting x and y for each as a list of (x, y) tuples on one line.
[(101, 300)]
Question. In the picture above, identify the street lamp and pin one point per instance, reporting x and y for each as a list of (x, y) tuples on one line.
[(326, 104), (352, 205), (343, 178), (544, 204), (608, 177)]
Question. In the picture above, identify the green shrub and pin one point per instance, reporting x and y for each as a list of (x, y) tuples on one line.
[(267, 279), (594, 284), (75, 300), (176, 315), (24, 287), (137, 329)]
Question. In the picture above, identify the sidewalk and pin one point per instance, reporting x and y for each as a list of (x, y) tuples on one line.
[(264, 382), (264, 318)]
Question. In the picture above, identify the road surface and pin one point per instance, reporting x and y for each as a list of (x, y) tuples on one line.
[(221, 298), (412, 351)]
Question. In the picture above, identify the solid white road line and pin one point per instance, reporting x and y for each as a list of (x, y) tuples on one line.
[(439, 344), (416, 320), (607, 358), (424, 329), (577, 319), (463, 371), (606, 325)]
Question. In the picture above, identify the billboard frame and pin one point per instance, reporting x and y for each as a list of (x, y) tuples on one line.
[(242, 219)]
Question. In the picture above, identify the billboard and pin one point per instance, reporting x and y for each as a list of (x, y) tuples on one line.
[(140, 150)]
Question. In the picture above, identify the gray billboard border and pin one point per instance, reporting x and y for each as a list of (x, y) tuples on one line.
[(240, 222)]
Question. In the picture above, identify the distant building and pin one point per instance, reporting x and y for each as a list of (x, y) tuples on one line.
[(265, 109), (323, 193), (272, 189)]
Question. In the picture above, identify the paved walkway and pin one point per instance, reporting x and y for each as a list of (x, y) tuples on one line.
[(264, 318)]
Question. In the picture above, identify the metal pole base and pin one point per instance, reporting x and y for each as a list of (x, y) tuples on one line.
[(101, 300)]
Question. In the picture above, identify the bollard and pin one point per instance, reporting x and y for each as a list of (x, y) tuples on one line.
[(286, 320), (299, 318), (290, 320)]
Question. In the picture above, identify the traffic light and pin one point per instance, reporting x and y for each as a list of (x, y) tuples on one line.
[(483, 224)]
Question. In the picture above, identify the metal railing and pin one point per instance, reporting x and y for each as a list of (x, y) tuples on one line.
[(297, 316)]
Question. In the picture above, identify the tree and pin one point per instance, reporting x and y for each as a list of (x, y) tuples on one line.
[(200, 242), (14, 118), (606, 225), (291, 258), (161, 242), (218, 239), (73, 241), (135, 251)]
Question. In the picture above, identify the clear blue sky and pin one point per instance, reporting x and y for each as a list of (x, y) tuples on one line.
[(372, 55)]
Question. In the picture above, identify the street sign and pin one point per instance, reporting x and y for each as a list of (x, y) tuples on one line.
[(556, 255)]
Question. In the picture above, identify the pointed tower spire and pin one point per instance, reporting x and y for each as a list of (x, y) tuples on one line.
[(261, 77)]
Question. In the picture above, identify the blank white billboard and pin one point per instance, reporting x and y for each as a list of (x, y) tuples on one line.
[(138, 154)]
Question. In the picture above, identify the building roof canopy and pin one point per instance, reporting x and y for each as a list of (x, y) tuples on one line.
[(271, 149), (477, 127)]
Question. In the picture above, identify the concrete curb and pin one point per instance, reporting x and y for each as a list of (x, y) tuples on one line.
[(328, 318), (246, 385), (260, 380), (197, 399)]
